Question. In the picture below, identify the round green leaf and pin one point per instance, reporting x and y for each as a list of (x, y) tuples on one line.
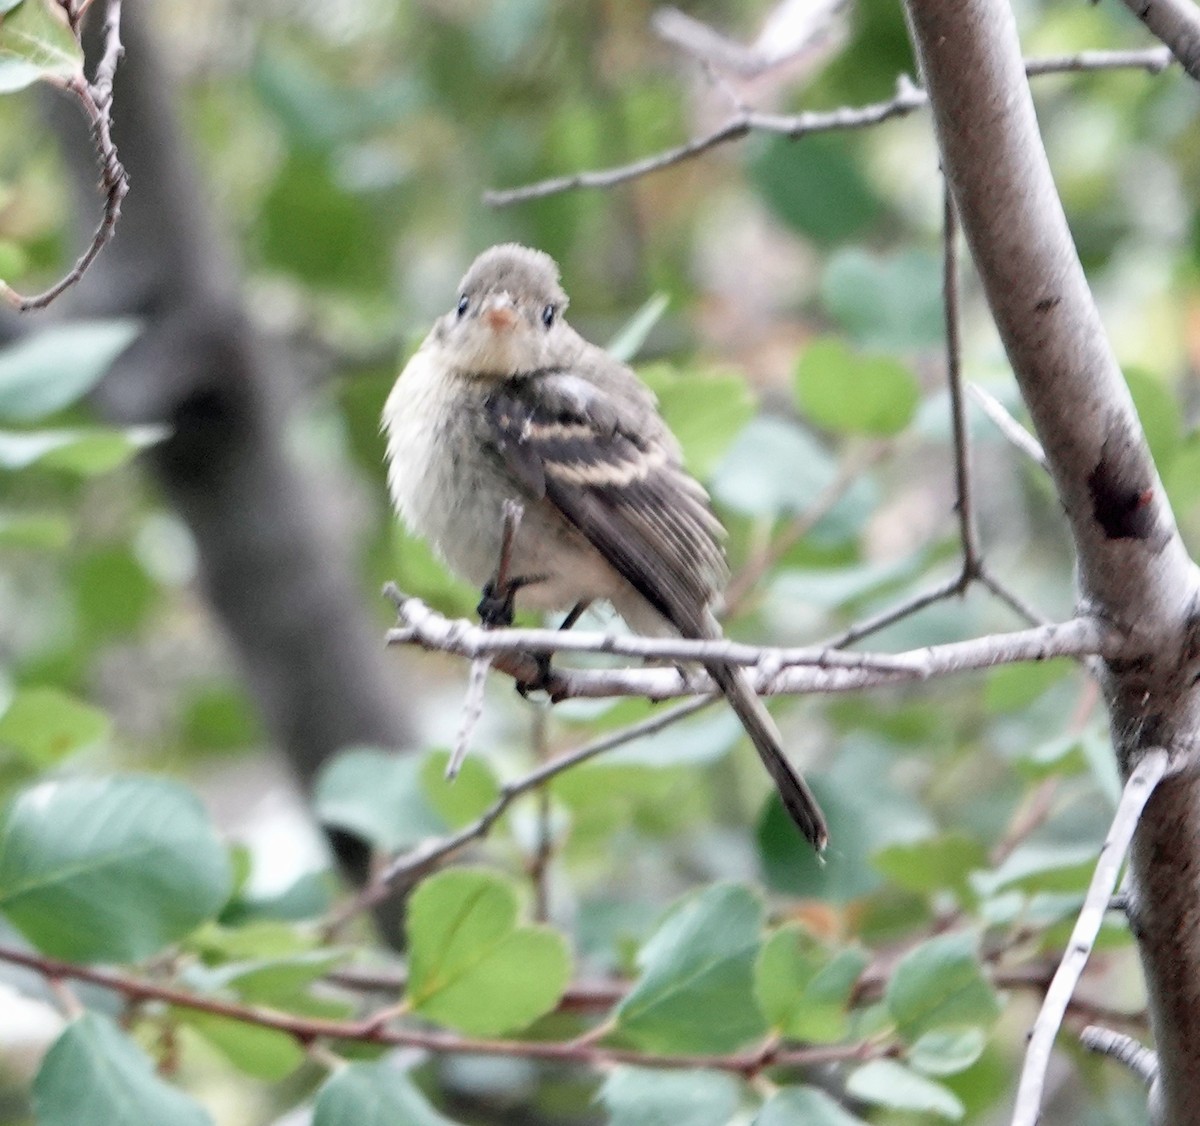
[(95, 1073), (947, 1051), (940, 984), (259, 1052), (471, 965), (376, 795), (637, 1096), (705, 410), (849, 393), (773, 467), (803, 989), (43, 725), (804, 1106), (109, 870), (45, 372), (373, 1094), (696, 988), (886, 302), (933, 863), (461, 799), (816, 187), (890, 1084)]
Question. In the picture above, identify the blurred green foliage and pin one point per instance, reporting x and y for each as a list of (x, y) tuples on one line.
[(346, 148)]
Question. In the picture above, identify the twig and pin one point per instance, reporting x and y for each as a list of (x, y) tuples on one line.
[(1124, 1049), (1138, 788), (305, 1030), (772, 671), (906, 100), (543, 850), (1177, 24), (967, 531), (411, 865), (96, 100), (1008, 426), (477, 678)]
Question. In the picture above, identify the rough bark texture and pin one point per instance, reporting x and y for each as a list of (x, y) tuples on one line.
[(1133, 568), (281, 585)]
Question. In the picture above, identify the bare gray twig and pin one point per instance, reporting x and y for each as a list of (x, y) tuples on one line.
[(1175, 23), (774, 671), (1124, 1049), (1008, 426), (1138, 788), (95, 98), (907, 99)]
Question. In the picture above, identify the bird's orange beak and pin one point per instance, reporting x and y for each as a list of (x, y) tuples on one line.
[(500, 315)]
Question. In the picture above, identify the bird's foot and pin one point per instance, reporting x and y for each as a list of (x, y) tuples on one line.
[(543, 681), (497, 606)]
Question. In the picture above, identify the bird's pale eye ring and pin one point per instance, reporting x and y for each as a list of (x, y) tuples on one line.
[(464, 303), (548, 315)]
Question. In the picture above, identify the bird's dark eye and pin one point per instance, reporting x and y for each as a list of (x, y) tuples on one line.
[(548, 315), (463, 303)]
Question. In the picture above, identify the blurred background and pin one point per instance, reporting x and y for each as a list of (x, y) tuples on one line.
[(307, 187)]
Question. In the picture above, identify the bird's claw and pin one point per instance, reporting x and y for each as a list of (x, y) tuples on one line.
[(497, 606)]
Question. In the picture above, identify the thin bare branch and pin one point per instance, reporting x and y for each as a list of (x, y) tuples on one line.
[(1124, 1049), (477, 680), (907, 99), (773, 671), (967, 529), (1175, 23), (306, 1030), (411, 865), (1141, 783), (95, 98), (1008, 426)]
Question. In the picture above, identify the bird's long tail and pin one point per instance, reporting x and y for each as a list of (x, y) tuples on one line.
[(797, 798)]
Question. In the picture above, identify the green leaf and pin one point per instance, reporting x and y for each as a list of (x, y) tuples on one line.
[(636, 1096), (851, 393), (471, 966), (43, 373), (95, 1073), (802, 989), (947, 1051), (376, 795), (773, 467), (460, 800), (816, 186), (940, 984), (695, 992), (260, 1052), (85, 451), (42, 531), (804, 1106), (890, 1084), (705, 410), (109, 870), (932, 864), (632, 335), (1042, 865), (887, 302), (373, 1094), (35, 43), (44, 725)]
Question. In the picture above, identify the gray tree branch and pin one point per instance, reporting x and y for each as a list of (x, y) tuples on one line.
[(1134, 571)]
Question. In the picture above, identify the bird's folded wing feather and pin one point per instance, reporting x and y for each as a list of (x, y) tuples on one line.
[(613, 470)]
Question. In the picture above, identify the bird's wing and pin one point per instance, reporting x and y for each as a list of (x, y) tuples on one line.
[(611, 467)]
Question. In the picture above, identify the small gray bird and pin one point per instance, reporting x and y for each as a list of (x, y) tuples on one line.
[(504, 400)]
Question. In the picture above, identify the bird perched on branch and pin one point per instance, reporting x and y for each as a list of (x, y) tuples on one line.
[(505, 401)]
